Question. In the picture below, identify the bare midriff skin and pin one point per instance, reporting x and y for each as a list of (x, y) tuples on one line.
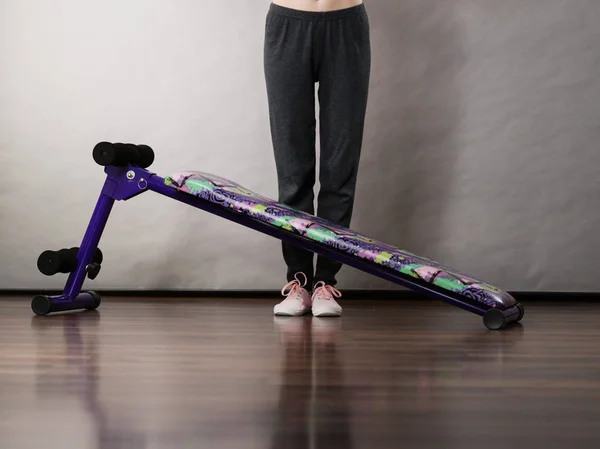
[(318, 5)]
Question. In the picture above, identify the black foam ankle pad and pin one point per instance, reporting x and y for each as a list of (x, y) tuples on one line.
[(63, 260)]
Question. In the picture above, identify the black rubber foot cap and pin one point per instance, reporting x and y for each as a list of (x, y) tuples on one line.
[(494, 319), (97, 301), (41, 305)]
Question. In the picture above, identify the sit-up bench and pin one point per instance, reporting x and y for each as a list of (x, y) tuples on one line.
[(127, 176)]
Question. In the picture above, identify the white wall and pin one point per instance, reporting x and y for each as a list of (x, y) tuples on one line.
[(481, 147)]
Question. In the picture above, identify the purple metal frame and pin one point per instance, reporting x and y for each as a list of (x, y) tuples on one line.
[(123, 183)]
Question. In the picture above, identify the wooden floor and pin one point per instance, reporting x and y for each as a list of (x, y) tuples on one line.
[(227, 374)]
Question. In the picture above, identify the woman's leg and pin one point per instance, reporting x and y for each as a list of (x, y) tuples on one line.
[(343, 91), (290, 81)]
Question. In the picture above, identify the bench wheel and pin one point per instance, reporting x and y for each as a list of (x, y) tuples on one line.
[(521, 312), (494, 319)]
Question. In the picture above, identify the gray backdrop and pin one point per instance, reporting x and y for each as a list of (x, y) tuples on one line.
[(481, 146)]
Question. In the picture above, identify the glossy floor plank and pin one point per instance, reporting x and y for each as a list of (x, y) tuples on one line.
[(227, 374)]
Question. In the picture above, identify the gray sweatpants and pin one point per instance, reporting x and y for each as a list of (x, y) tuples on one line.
[(332, 49)]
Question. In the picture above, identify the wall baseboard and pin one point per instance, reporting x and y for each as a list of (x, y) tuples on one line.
[(265, 294)]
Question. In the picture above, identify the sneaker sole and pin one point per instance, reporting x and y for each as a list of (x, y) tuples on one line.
[(326, 314), (290, 314)]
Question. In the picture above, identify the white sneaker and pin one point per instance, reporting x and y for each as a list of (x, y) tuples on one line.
[(323, 300), (297, 301)]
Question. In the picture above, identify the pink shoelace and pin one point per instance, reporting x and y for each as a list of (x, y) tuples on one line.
[(327, 291), (291, 287)]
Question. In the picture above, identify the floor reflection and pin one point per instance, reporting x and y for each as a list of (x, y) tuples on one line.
[(194, 383), (313, 409), (478, 355), (216, 375), (74, 372)]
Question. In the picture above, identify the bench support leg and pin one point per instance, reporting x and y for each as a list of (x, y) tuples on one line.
[(120, 184)]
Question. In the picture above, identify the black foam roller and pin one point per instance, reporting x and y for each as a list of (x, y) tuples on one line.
[(123, 154), (146, 156), (62, 261), (105, 154)]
